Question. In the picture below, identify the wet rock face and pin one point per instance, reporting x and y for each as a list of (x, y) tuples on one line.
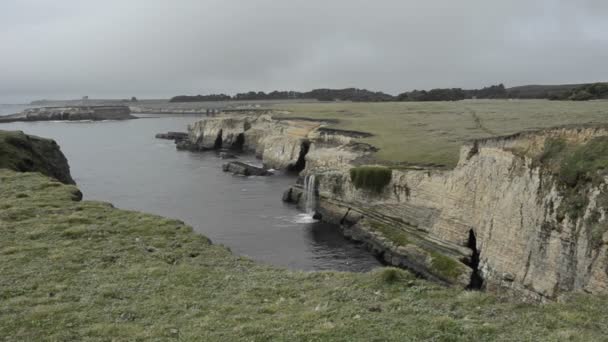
[(239, 168), (95, 113), (28, 153)]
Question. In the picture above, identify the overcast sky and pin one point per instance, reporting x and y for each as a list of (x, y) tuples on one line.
[(154, 48)]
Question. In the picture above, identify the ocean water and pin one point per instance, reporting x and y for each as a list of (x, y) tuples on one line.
[(121, 162)]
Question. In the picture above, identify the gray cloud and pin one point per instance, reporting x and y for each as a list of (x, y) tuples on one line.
[(154, 48)]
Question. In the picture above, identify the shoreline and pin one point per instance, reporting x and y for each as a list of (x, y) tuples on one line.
[(79, 270), (97, 272)]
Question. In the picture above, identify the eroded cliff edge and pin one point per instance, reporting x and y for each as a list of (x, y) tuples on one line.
[(522, 214), (28, 153)]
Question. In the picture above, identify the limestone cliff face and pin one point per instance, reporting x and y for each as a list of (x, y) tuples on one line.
[(499, 196), (501, 219), (218, 132), (279, 144)]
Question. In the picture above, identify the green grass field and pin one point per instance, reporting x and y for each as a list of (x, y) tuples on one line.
[(432, 132), (74, 271)]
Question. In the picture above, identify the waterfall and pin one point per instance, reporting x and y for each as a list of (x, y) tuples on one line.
[(309, 191), (309, 201)]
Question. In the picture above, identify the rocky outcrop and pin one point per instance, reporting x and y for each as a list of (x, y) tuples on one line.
[(501, 219), (239, 168), (175, 136), (28, 153), (74, 113), (226, 155), (280, 144)]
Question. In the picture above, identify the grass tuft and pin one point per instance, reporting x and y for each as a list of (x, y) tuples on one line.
[(446, 266), (391, 275), (577, 167), (395, 235), (373, 178)]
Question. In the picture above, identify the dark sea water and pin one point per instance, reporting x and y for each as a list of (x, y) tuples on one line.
[(121, 162)]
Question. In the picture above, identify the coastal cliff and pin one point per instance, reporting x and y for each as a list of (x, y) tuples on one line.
[(280, 144), (85, 270), (512, 211), (71, 113), (512, 217), (28, 153)]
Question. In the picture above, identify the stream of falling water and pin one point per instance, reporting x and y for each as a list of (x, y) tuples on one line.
[(310, 201)]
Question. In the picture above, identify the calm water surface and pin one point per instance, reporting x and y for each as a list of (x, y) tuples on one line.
[(122, 163)]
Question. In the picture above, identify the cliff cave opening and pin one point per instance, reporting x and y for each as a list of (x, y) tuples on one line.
[(218, 141), (300, 164), (476, 281), (238, 144)]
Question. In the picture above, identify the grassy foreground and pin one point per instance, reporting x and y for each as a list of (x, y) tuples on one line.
[(433, 132), (86, 271)]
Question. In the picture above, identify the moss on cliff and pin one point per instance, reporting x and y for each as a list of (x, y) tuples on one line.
[(577, 167), (395, 235), (596, 229), (373, 178), (445, 266), (576, 164), (440, 265), (87, 271), (22, 152), (585, 163)]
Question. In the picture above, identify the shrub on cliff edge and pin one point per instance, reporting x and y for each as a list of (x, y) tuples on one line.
[(373, 178), (576, 167)]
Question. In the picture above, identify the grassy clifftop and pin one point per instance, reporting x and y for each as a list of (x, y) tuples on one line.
[(76, 270), (433, 132)]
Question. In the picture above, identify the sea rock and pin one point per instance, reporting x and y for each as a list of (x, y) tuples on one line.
[(175, 136), (226, 155), (240, 168), (287, 196), (187, 145)]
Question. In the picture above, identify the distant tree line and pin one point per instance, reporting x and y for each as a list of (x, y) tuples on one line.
[(201, 98), (576, 92), (455, 94), (586, 92), (348, 94)]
